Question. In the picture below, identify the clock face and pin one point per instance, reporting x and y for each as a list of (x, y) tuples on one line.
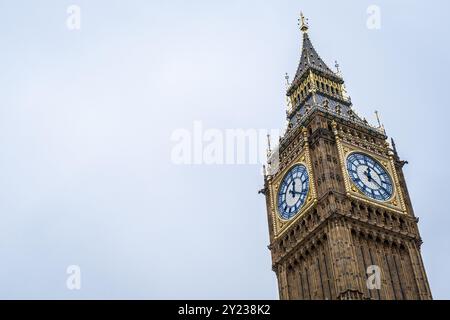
[(369, 176), (293, 192)]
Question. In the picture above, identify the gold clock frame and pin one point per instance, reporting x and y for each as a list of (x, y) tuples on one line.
[(396, 202), (280, 225)]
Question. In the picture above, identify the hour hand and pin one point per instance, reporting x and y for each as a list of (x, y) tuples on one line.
[(380, 186), (367, 174), (292, 192)]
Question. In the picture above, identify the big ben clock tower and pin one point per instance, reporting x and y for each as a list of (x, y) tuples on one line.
[(338, 207)]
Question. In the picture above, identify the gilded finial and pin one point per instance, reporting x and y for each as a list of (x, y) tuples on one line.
[(303, 23), (337, 66), (378, 119), (394, 147), (288, 99), (380, 124), (286, 76)]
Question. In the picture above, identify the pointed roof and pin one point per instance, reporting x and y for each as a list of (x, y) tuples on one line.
[(310, 59)]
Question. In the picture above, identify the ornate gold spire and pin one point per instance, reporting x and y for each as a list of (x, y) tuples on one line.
[(310, 60), (303, 23)]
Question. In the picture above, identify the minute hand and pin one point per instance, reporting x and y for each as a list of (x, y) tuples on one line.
[(375, 181)]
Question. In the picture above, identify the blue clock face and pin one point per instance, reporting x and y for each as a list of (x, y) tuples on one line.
[(293, 192), (369, 176)]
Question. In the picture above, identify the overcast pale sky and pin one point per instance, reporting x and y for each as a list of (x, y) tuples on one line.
[(86, 118)]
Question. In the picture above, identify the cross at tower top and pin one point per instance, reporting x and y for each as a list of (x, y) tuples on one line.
[(310, 60), (303, 23)]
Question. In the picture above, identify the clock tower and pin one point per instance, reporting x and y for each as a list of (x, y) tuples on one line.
[(341, 222)]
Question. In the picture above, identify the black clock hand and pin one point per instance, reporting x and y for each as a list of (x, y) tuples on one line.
[(292, 192), (381, 187), (376, 182), (369, 176)]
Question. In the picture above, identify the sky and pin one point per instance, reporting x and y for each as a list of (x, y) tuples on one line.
[(87, 118)]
